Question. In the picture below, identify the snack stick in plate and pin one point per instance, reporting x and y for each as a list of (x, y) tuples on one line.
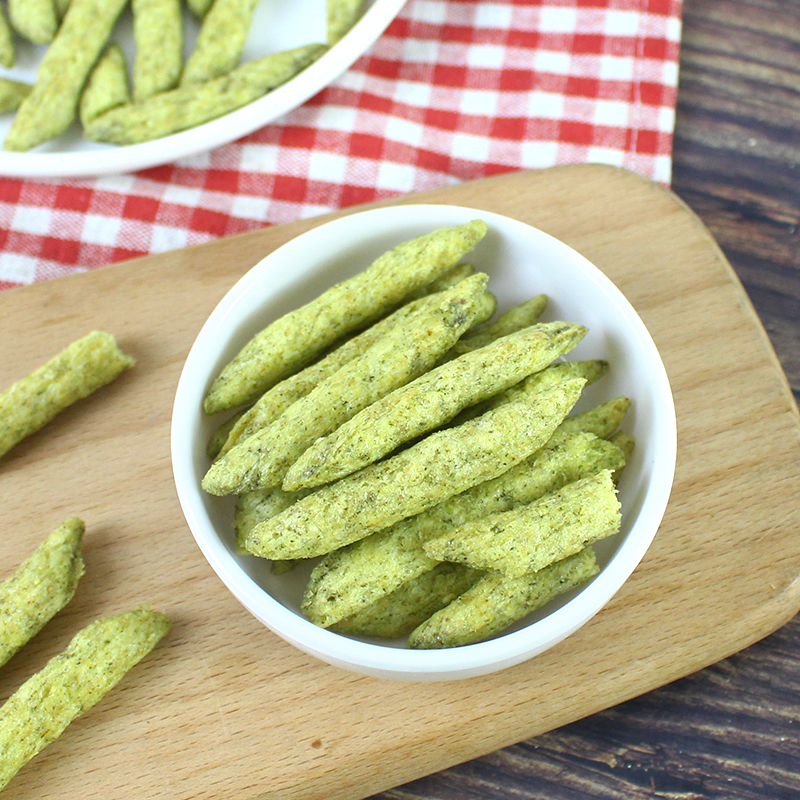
[(72, 682), (496, 601), (107, 86), (516, 319), (34, 20), (12, 93), (295, 339), (341, 16), (530, 537), (260, 505), (404, 352), (435, 468), (191, 105), (158, 36), (602, 420), (73, 374), (355, 576), (626, 444), (43, 584), (429, 401), (220, 42), (590, 371), (447, 279), (277, 399), (399, 613), (8, 49), (51, 106)]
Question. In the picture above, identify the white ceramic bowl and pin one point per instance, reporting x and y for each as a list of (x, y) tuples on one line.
[(521, 262)]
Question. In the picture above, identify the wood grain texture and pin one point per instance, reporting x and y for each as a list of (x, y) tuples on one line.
[(223, 707), (730, 731)]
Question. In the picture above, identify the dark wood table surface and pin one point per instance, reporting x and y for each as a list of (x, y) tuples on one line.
[(732, 730)]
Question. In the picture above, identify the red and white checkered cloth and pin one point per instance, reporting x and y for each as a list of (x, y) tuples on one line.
[(454, 90)]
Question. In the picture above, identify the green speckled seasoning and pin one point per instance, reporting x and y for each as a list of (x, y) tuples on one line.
[(43, 584), (73, 374), (355, 576), (71, 683), (429, 401), (399, 613), (297, 338), (407, 350), (277, 399), (497, 601), (530, 537), (437, 467)]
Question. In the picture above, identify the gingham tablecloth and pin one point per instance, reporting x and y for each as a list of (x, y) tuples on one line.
[(454, 90)]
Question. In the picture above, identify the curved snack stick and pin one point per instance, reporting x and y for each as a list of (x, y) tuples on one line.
[(515, 319), (72, 682), (220, 42), (404, 352), (497, 601), (73, 374), (341, 16), (43, 584), (296, 338), (590, 371), (12, 93), (437, 467), (199, 7), (8, 48), (429, 401), (107, 86), (359, 574), (34, 20), (530, 537), (51, 106), (277, 399), (158, 36), (399, 613), (191, 105)]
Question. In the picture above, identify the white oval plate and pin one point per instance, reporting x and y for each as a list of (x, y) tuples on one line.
[(276, 26)]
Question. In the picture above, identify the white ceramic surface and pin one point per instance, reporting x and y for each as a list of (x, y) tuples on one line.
[(521, 262), (276, 26)]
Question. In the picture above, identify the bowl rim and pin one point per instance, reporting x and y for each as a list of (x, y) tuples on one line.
[(501, 651)]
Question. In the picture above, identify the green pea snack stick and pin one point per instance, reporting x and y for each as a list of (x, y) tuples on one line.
[(158, 36), (52, 105), (359, 574), (73, 374), (403, 353), (496, 601), (43, 584), (429, 401), (399, 613), (221, 40), (8, 48), (516, 319), (590, 371), (295, 339), (277, 399), (217, 440), (107, 86), (72, 682), (447, 279), (530, 537), (437, 467), (341, 16), (191, 105), (12, 93), (34, 20), (260, 505)]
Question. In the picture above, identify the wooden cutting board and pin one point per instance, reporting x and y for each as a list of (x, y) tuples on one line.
[(223, 708)]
